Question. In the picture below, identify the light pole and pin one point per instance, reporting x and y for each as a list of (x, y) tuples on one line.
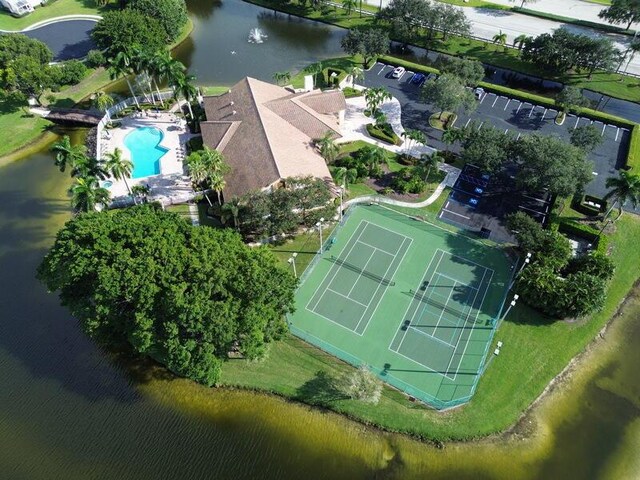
[(511, 305), (527, 260), (319, 225), (292, 261), (496, 352), (341, 195)]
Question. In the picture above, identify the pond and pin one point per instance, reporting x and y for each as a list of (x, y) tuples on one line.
[(67, 39), (70, 410)]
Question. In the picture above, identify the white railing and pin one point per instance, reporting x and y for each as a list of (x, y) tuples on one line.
[(117, 108)]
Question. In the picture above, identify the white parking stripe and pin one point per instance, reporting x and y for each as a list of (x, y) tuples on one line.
[(505, 107), (483, 97), (382, 69), (604, 126), (518, 137), (519, 107), (543, 114), (400, 77), (470, 121), (531, 112), (577, 120), (480, 126), (494, 102), (617, 133)]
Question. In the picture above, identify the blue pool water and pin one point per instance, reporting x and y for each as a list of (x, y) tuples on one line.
[(143, 143)]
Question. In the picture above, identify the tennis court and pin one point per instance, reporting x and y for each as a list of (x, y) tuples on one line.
[(413, 301)]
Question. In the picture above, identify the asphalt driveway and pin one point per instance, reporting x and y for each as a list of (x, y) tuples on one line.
[(521, 118)]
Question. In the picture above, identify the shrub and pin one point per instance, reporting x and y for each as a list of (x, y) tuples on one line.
[(69, 72), (384, 132), (170, 14), (125, 29), (596, 264), (408, 180), (95, 59)]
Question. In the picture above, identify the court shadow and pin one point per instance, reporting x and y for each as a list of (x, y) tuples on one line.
[(320, 390)]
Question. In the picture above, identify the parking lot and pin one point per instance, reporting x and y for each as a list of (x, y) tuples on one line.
[(508, 114)]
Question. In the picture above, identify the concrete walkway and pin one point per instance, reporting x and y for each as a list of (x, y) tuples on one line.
[(354, 129), (49, 21)]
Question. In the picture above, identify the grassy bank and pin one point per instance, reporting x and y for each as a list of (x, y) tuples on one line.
[(535, 350), (613, 84), (52, 9)]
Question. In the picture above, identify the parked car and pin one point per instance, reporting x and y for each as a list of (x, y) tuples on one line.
[(418, 79), (479, 92), (398, 72)]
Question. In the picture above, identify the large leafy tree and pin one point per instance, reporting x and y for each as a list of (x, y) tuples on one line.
[(123, 30), (471, 72), (448, 93), (622, 12), (486, 147), (546, 162), (586, 137), (570, 97), (310, 194), (185, 295), (171, 14), (16, 45), (365, 41), (406, 17)]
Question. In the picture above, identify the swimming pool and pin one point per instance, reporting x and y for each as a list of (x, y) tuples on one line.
[(144, 145)]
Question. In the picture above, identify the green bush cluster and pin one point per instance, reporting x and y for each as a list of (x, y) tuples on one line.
[(579, 204), (69, 72), (95, 59), (408, 180), (554, 283), (384, 132)]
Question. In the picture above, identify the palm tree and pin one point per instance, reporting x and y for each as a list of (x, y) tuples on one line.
[(345, 176), (87, 194), (86, 166), (414, 136), (314, 69), (217, 184), (103, 101), (452, 135), (349, 5), (231, 209), (119, 168), (67, 154), (624, 189), (374, 98), (282, 77), (429, 161), (183, 86), (207, 169), (373, 156), (327, 146), (166, 68), (501, 39), (520, 40), (630, 53), (120, 66), (140, 192), (356, 73), (142, 62)]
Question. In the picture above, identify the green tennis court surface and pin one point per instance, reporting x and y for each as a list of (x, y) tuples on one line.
[(413, 301)]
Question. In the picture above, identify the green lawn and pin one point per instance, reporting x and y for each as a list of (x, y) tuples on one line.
[(476, 3), (534, 351), (56, 8)]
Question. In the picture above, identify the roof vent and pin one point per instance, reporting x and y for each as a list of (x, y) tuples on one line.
[(231, 103), (233, 113)]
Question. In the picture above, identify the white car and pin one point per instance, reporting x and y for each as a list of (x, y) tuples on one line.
[(479, 92), (398, 72)]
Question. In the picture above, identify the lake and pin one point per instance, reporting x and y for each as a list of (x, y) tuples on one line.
[(69, 410)]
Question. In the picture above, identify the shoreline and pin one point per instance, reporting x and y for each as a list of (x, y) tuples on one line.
[(39, 141)]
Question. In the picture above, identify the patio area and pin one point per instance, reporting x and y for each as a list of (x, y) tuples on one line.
[(172, 184)]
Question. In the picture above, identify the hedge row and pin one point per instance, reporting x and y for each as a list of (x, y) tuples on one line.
[(579, 204), (599, 242), (633, 158), (385, 134)]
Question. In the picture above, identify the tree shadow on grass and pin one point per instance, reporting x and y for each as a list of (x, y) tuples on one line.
[(320, 390)]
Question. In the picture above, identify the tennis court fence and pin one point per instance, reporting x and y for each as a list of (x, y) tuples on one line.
[(383, 374)]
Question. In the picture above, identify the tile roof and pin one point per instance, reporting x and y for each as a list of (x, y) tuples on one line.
[(266, 132)]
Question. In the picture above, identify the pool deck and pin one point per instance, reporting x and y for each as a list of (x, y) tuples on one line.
[(172, 185)]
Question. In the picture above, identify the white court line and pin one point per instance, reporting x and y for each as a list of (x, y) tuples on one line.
[(334, 322), (395, 233), (338, 269), (411, 302), (494, 102), (505, 107), (376, 248), (347, 297), (474, 324), (364, 269), (477, 313), (455, 213), (380, 285), (441, 310), (430, 336), (421, 364), (458, 281), (470, 261)]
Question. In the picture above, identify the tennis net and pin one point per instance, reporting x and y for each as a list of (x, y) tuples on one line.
[(362, 272)]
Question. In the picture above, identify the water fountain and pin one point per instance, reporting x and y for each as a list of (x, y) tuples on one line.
[(256, 36)]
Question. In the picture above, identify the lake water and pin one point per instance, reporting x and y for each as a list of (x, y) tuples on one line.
[(69, 410)]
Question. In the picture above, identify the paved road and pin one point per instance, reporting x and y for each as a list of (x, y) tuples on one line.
[(518, 117), (485, 23)]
